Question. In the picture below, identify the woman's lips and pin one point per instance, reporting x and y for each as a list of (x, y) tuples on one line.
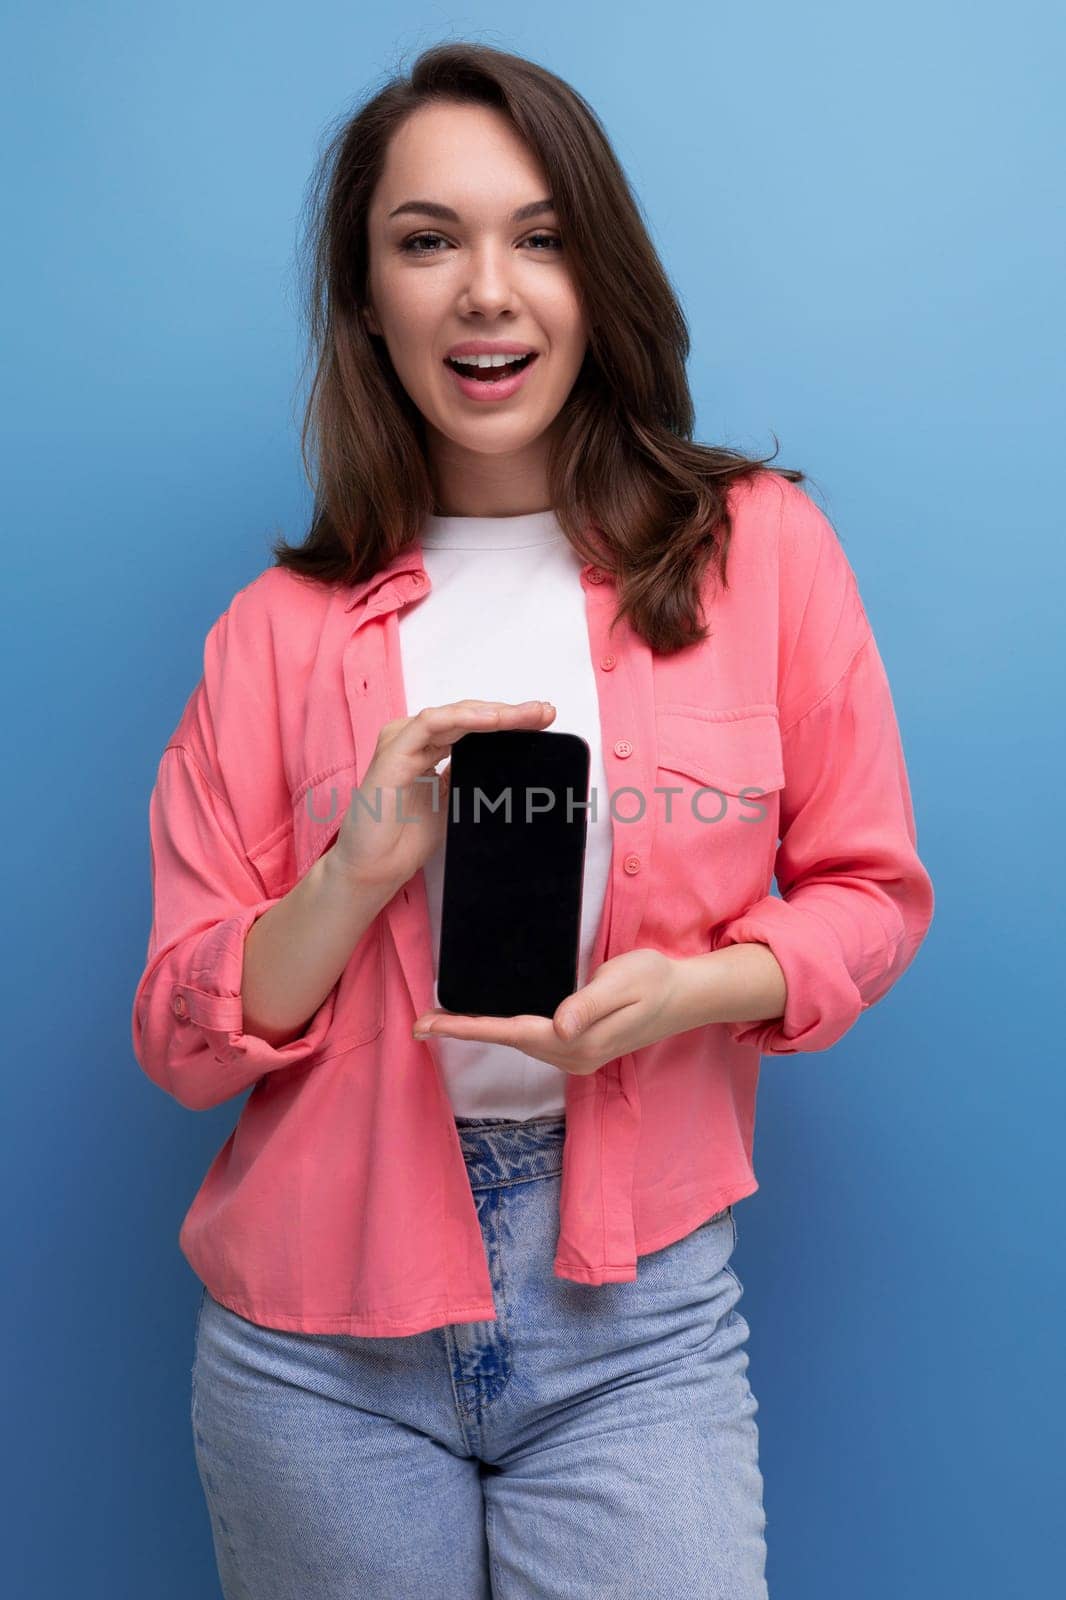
[(497, 388)]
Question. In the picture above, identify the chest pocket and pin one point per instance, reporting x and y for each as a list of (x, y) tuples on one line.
[(717, 829), (275, 860), (283, 858), (318, 808)]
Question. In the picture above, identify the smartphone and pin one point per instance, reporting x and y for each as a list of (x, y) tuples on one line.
[(514, 865)]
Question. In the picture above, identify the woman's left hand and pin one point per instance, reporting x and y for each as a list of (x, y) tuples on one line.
[(632, 1000)]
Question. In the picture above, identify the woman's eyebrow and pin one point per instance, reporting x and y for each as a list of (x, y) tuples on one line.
[(430, 208)]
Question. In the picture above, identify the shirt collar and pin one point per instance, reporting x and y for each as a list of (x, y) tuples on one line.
[(406, 563)]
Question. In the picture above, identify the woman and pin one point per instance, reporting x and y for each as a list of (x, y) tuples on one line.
[(428, 1359)]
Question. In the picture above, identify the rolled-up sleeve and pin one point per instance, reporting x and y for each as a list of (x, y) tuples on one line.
[(855, 899), (188, 1023)]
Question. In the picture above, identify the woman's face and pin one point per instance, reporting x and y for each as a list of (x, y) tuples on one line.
[(476, 273)]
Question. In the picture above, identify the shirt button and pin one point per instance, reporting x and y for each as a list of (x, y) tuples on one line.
[(596, 575), (608, 662), (180, 1008), (623, 748), (631, 863)]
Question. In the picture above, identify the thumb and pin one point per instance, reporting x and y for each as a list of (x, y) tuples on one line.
[(576, 1013)]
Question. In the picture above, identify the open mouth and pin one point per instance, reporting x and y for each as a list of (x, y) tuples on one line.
[(493, 374)]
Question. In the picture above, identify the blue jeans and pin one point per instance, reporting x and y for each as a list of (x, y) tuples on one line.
[(595, 1440)]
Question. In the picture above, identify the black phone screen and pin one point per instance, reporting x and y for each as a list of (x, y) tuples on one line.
[(514, 860)]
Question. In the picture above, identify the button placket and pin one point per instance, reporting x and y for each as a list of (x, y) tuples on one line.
[(608, 1118), (626, 701)]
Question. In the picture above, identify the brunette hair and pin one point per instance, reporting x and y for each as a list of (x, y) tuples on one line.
[(631, 489)]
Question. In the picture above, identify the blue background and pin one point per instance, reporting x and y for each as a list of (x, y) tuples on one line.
[(858, 210)]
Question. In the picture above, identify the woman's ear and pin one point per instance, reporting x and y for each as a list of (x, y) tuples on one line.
[(370, 319)]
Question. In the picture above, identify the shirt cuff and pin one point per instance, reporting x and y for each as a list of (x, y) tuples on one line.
[(210, 1001), (823, 1000)]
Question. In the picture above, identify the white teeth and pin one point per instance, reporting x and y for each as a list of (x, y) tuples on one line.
[(484, 361)]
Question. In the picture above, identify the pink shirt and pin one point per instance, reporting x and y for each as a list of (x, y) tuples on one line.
[(340, 1203)]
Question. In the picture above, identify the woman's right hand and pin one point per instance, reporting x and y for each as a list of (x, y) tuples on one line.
[(378, 843)]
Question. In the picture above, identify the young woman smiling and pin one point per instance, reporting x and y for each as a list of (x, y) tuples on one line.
[(469, 1325)]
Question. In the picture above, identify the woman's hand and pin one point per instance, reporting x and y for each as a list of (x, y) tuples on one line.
[(389, 848), (634, 999)]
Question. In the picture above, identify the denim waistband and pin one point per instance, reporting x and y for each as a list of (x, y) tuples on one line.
[(499, 1150)]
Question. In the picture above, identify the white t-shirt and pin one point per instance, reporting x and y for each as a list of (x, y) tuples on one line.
[(505, 620)]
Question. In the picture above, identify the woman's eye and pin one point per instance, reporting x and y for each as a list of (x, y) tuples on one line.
[(419, 238), (409, 245)]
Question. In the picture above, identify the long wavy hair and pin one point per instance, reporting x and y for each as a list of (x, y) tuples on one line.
[(631, 489)]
